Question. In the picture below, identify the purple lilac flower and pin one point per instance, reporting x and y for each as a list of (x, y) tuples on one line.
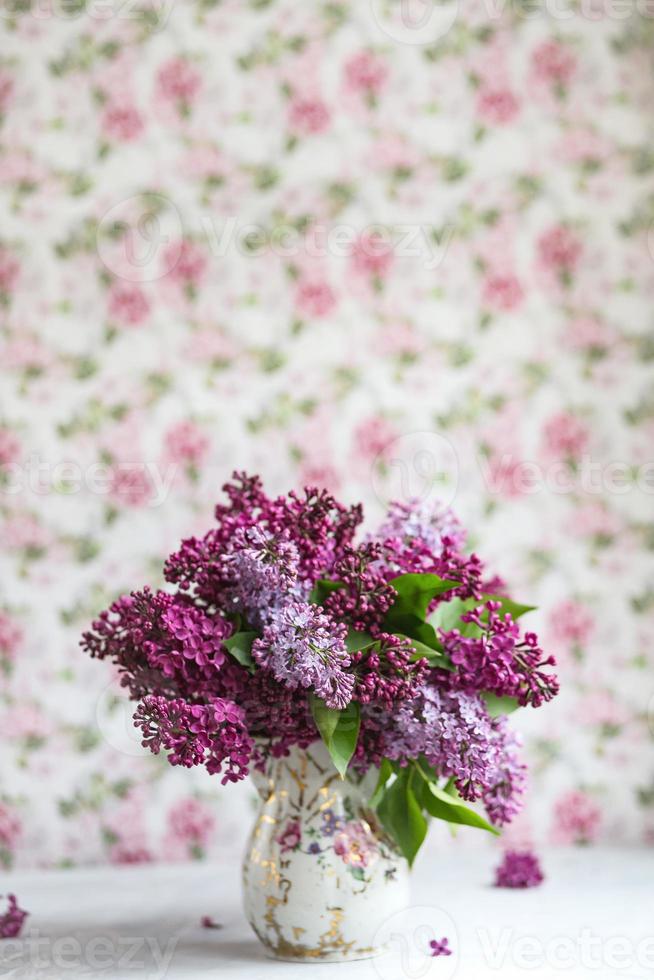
[(440, 947), (365, 596), (213, 734), (385, 671), (273, 712), (161, 643), (200, 637), (519, 869), (11, 921), (503, 796), (452, 731), (428, 537), (418, 525), (265, 574), (318, 525), (497, 659), (198, 567), (303, 647), (455, 734), (322, 528)]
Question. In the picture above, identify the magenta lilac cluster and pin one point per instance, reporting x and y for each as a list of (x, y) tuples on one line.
[(519, 869), (279, 606), (12, 920)]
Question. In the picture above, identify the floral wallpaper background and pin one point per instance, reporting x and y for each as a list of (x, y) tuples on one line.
[(344, 243)]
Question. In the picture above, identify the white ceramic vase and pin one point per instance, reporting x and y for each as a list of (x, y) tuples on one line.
[(320, 877)]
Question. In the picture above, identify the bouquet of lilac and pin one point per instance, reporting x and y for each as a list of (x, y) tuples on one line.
[(397, 651)]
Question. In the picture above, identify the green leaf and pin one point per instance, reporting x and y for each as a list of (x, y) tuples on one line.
[(385, 772), (416, 629), (415, 591), (323, 588), (356, 640), (515, 609), (326, 719), (447, 616), (402, 816), (443, 806), (423, 651), (239, 646), (407, 614), (339, 730), (497, 705)]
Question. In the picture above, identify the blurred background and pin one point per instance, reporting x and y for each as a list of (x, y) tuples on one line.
[(393, 248)]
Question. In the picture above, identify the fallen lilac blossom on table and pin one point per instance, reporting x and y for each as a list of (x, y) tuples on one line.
[(440, 948), (208, 923), (11, 922), (519, 869)]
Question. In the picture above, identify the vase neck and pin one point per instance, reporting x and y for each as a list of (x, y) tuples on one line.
[(306, 769)]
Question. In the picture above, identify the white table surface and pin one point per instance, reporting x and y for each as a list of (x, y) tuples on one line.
[(593, 917)]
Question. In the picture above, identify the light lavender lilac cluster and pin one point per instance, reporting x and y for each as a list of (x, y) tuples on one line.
[(453, 732), (304, 648)]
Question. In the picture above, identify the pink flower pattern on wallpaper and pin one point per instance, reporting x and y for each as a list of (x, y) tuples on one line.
[(269, 236)]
